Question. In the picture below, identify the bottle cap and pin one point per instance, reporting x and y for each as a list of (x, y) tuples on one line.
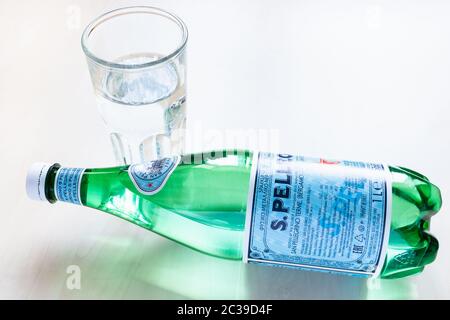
[(35, 184)]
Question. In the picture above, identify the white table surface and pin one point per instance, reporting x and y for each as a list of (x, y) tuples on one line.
[(363, 80)]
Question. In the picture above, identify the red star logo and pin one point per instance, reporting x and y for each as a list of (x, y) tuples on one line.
[(324, 161)]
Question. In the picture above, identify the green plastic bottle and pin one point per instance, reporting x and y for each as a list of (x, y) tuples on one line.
[(200, 200)]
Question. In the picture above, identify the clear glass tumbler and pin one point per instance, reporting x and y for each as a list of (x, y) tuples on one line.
[(137, 62)]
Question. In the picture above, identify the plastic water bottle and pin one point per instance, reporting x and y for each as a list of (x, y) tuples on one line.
[(349, 217)]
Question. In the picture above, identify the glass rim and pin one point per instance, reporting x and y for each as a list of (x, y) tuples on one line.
[(133, 10)]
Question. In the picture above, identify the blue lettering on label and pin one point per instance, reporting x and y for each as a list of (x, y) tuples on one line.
[(149, 177), (67, 185), (318, 214)]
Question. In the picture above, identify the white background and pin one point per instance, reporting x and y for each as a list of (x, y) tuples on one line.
[(362, 80)]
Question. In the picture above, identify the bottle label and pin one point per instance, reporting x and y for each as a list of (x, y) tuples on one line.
[(319, 214), (149, 177), (67, 185)]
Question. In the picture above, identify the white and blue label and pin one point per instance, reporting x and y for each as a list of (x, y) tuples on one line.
[(149, 177), (68, 185), (318, 214)]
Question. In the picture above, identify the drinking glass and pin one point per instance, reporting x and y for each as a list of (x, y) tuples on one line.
[(137, 62)]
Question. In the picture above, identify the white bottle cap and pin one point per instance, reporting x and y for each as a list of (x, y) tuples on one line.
[(36, 181)]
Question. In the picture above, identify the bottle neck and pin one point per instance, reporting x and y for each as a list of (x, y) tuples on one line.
[(63, 184), (50, 183)]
